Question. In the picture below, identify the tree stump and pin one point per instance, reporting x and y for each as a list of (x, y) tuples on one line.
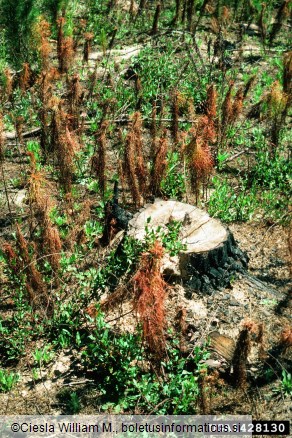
[(211, 257)]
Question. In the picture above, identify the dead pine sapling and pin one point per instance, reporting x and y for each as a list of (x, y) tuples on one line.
[(198, 155), (134, 165), (98, 161), (149, 301), (159, 166), (88, 36)]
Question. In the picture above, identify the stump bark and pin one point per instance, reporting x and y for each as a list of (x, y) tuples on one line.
[(211, 257)]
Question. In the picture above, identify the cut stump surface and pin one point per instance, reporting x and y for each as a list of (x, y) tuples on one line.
[(211, 256)]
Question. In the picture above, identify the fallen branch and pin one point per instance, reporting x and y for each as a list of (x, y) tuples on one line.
[(13, 135), (245, 151)]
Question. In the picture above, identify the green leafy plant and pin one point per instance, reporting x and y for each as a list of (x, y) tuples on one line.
[(43, 356), (286, 383), (124, 377), (169, 236), (173, 185), (231, 204), (7, 380)]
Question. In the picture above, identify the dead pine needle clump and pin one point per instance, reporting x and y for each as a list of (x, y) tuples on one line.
[(99, 158), (199, 157), (8, 83), (149, 301), (75, 98), (286, 338), (41, 206), (211, 103), (2, 140), (134, 166), (65, 144), (36, 287), (51, 240), (25, 77), (88, 36), (65, 48)]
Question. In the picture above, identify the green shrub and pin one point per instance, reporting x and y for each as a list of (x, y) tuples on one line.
[(126, 379)]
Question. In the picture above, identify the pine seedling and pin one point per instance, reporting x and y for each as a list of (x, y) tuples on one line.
[(225, 16), (64, 47), (216, 28), (60, 40), (174, 113), (25, 77), (50, 234), (248, 86), (201, 165), (12, 259), (88, 36), (149, 301), (141, 171), (65, 145), (41, 32), (287, 73), (8, 83), (57, 124), (199, 158), (286, 338), (66, 149), (237, 105), (66, 54), (77, 233), (35, 181), (261, 342), (41, 205), (227, 107), (134, 166), (44, 46), (45, 84), (262, 25), (278, 103), (19, 129), (99, 158), (159, 166), (211, 103), (75, 96), (36, 287), (129, 168), (2, 141)]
